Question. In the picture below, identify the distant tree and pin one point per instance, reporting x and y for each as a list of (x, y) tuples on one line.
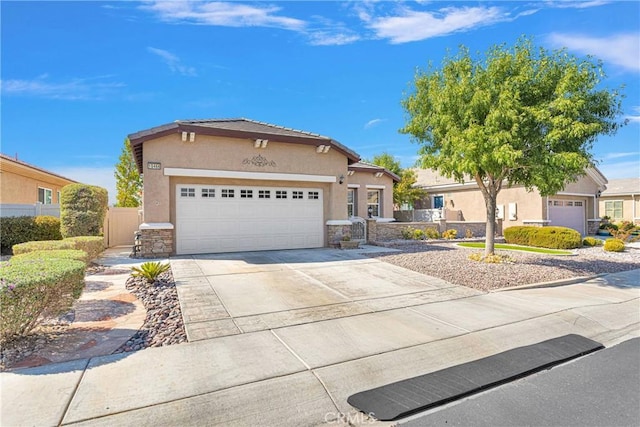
[(128, 179), (520, 115), (404, 191)]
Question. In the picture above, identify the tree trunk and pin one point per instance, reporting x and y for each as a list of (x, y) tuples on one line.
[(490, 202)]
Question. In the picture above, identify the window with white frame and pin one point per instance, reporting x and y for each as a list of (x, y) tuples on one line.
[(264, 194), (373, 203), (314, 195), (246, 194), (297, 194), (437, 202), (45, 196), (281, 194), (613, 209), (187, 192), (228, 193), (208, 193), (351, 205)]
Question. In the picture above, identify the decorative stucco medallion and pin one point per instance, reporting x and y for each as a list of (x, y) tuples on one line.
[(259, 161)]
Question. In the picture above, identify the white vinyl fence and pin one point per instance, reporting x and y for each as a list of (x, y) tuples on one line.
[(37, 209)]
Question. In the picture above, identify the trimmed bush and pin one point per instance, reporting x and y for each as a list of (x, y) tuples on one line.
[(418, 234), (82, 210), (92, 245), (450, 234), (73, 254), (44, 245), (591, 241), (543, 237), (33, 289), (614, 245), (15, 230), (431, 233), (407, 233)]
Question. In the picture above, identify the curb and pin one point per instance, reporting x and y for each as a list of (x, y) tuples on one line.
[(552, 283)]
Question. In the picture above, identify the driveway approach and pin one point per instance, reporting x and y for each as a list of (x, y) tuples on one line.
[(283, 338)]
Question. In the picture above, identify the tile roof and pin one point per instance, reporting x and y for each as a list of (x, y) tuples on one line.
[(39, 169), (624, 186), (236, 127)]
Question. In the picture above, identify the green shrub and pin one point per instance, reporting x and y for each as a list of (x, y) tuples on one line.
[(92, 245), (614, 245), (150, 270), (609, 227), (407, 233), (450, 234), (418, 234), (33, 289), (543, 237), (591, 241), (14, 230), (44, 245), (431, 233), (54, 254), (82, 210)]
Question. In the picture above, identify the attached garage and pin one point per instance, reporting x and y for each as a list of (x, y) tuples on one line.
[(226, 218), (568, 213)]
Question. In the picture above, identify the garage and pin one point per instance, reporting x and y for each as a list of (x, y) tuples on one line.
[(567, 213), (226, 218)]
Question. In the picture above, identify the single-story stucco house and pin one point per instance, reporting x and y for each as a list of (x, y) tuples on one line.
[(22, 183), (227, 185), (575, 207), (621, 200)]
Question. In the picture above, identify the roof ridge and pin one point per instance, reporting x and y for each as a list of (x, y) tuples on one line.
[(237, 119)]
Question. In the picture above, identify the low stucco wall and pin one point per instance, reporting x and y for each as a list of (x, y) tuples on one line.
[(385, 231)]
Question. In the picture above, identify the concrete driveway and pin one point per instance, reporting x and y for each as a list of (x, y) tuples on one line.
[(283, 338)]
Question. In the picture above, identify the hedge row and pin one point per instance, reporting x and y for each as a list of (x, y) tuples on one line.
[(32, 289), (543, 237), (15, 230), (92, 245)]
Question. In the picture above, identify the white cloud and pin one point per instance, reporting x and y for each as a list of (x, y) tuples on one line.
[(72, 90), (327, 38), (173, 62), (226, 14), (411, 25), (102, 176), (611, 156), (634, 118), (618, 170), (576, 4), (620, 49), (372, 123)]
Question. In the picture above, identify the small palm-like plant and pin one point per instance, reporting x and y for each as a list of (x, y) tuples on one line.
[(150, 270)]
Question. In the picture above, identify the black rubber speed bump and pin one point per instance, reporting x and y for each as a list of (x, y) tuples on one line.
[(416, 394)]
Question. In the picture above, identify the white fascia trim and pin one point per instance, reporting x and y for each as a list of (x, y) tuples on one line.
[(209, 173), (156, 226), (376, 187), (562, 193), (338, 222), (536, 221), (440, 187), (597, 177), (353, 186)]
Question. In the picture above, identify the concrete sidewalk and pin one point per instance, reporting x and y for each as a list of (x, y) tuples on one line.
[(302, 373)]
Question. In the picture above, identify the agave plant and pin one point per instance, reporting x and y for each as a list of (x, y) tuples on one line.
[(150, 270)]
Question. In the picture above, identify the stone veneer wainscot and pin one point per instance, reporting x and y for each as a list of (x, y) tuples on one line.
[(156, 240)]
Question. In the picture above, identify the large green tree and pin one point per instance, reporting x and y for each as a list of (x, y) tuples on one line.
[(517, 115), (404, 192), (128, 179)]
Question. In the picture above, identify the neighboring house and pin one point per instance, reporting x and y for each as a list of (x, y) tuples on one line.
[(621, 200), (575, 207), (226, 185), (25, 184)]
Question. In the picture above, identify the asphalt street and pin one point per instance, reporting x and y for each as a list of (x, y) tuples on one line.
[(600, 389)]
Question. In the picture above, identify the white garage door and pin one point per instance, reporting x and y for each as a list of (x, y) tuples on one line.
[(215, 218), (567, 213)]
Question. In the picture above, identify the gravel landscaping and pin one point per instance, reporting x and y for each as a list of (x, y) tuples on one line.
[(450, 262)]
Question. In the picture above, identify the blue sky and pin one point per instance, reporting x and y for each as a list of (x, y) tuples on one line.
[(78, 77)]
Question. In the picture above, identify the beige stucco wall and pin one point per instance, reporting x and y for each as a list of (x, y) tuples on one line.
[(227, 154), (362, 180), (628, 204), (19, 184)]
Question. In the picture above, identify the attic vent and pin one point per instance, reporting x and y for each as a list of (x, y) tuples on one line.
[(188, 136)]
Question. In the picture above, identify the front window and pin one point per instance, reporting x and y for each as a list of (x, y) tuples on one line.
[(438, 202), (45, 196), (373, 203), (613, 209), (351, 207)]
